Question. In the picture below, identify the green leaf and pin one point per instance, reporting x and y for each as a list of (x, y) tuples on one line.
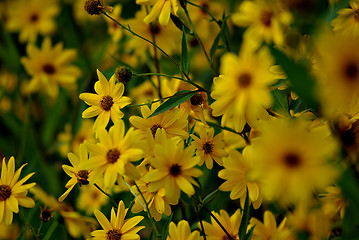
[(214, 47), (245, 218), (184, 53), (280, 104), (191, 131), (175, 100), (249, 234), (166, 226), (179, 24), (301, 81), (210, 196)]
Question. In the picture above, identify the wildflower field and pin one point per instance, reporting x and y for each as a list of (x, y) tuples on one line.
[(179, 119)]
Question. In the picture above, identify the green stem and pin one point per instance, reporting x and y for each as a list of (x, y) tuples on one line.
[(32, 230), (108, 195), (200, 222), (156, 60), (38, 231), (206, 10), (200, 42), (51, 230)]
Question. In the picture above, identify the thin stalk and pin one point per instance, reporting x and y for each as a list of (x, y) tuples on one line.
[(208, 12), (200, 42), (108, 195), (200, 222), (32, 230), (38, 231), (157, 66)]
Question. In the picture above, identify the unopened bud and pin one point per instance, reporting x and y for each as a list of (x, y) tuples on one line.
[(123, 74)]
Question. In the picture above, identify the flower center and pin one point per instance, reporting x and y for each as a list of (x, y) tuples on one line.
[(266, 18), (154, 129), (5, 192), (49, 68), (350, 138), (45, 215), (175, 170), (34, 17), (82, 177), (155, 29), (233, 237), (207, 147), (106, 103), (112, 155), (197, 99), (244, 80), (292, 160), (351, 71), (113, 234)]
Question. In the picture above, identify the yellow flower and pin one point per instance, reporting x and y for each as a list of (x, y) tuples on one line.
[(291, 159), (118, 227), (173, 169), (347, 21), (32, 17), (79, 172), (182, 232), (238, 173), (90, 198), (197, 104), (106, 103), (114, 153), (209, 148), (231, 224), (161, 9), (266, 20), (143, 93), (12, 191), (170, 121), (50, 67), (241, 91), (269, 230), (333, 201)]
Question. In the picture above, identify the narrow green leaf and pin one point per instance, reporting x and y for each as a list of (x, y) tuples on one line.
[(184, 53), (224, 29), (280, 103), (166, 227), (210, 196), (191, 131), (249, 234), (302, 82), (175, 100), (214, 47), (245, 218), (179, 24)]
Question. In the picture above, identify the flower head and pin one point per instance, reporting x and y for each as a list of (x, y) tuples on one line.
[(347, 21), (13, 191), (161, 9), (107, 101), (118, 227), (182, 232)]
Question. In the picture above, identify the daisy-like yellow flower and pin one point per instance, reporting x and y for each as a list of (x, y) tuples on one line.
[(182, 232), (197, 104), (118, 227), (79, 171), (50, 67), (170, 121), (347, 21), (32, 17), (241, 91), (291, 159), (209, 148), (266, 20), (238, 173), (106, 103), (269, 229), (231, 224), (114, 153), (13, 191), (161, 9), (173, 169)]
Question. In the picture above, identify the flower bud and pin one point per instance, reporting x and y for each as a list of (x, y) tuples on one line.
[(123, 74)]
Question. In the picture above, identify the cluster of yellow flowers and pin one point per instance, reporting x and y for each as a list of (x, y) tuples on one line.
[(262, 108)]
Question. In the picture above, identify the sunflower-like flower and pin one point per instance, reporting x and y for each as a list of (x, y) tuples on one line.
[(182, 232), (32, 17), (170, 121), (118, 227), (291, 160), (114, 153), (161, 9), (50, 67), (79, 171), (231, 224), (209, 148), (13, 191), (107, 101), (241, 91), (173, 169), (238, 173), (347, 21)]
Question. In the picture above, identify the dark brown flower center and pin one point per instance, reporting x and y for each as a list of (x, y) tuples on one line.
[(351, 71), (5, 192), (82, 177), (49, 68), (292, 160), (46, 215), (233, 237), (113, 234), (350, 138), (112, 155), (175, 170), (266, 18), (106, 103), (155, 29), (197, 99), (244, 80), (154, 129), (34, 17), (207, 147)]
